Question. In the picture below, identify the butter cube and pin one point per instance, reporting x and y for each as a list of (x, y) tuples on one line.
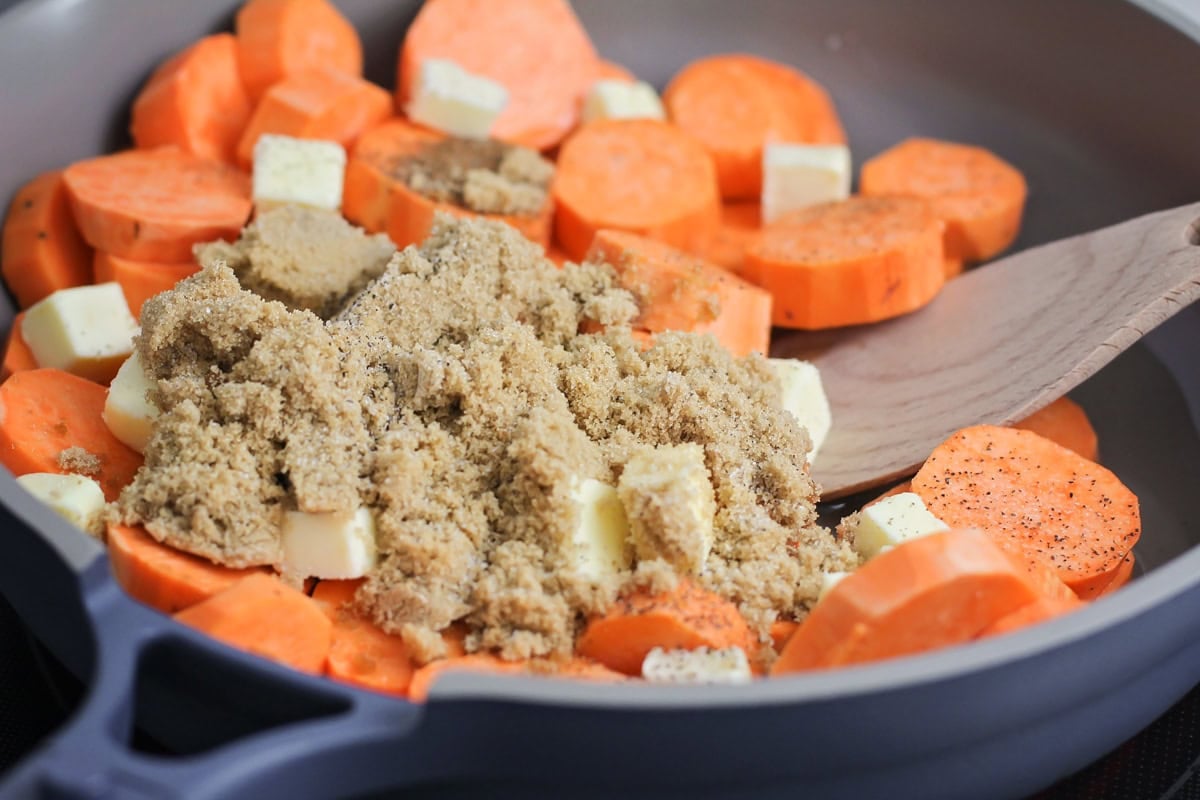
[(86, 330), (128, 412), (76, 498), (334, 546), (891, 521), (803, 396), (800, 175), (609, 99), (450, 99), (828, 581), (669, 502), (702, 665), (600, 544), (306, 172)]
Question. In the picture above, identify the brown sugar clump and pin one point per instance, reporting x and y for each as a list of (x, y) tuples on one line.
[(457, 399), (303, 257), (264, 410), (487, 177), (668, 500), (768, 551), (78, 460)]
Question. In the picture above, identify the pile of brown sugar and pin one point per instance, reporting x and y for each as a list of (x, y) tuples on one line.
[(455, 397), (488, 177), (302, 257)]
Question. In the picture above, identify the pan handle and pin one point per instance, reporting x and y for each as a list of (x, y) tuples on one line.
[(317, 757)]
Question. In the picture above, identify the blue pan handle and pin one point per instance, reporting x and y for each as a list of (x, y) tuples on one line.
[(338, 751)]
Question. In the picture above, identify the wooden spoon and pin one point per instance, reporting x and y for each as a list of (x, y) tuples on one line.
[(997, 344)]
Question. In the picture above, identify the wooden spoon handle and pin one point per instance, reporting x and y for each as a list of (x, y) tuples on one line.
[(1000, 342)]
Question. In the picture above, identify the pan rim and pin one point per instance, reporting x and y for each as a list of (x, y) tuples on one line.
[(1172, 16)]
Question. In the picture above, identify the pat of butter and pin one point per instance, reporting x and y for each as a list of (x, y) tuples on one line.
[(800, 175), (307, 172), (609, 99), (128, 412), (335, 546), (76, 498), (893, 520), (828, 581), (697, 666), (600, 544), (450, 99), (86, 330), (803, 396)]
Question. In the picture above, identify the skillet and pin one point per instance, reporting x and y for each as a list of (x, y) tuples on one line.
[(1090, 99)]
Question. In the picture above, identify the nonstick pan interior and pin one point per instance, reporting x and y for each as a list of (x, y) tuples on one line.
[(1088, 99)]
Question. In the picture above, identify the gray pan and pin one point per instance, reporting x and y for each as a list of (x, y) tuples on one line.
[(1094, 99)]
